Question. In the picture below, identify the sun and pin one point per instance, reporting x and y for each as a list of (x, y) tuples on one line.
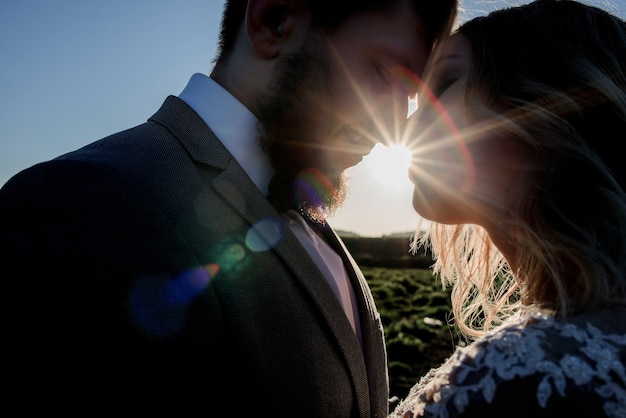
[(389, 165)]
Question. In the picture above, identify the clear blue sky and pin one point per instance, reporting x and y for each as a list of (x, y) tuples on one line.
[(74, 71)]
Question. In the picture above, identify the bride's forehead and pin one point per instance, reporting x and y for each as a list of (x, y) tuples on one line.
[(455, 49)]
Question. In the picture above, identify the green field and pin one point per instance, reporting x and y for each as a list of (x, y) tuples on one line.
[(415, 312)]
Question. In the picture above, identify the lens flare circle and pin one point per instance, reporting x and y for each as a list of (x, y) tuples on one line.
[(264, 235)]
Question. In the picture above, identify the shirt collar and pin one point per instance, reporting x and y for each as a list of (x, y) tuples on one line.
[(233, 124)]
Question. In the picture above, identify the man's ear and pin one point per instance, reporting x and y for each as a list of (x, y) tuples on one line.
[(267, 25)]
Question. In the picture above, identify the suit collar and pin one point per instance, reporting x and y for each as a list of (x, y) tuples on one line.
[(194, 135), (233, 124)]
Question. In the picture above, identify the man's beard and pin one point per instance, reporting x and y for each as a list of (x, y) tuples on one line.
[(289, 130)]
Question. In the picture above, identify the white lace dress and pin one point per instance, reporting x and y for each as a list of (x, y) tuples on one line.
[(533, 367)]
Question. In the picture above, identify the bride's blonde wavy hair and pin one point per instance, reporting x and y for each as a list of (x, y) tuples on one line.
[(551, 77)]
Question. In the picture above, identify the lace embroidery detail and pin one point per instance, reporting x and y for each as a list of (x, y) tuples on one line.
[(560, 355)]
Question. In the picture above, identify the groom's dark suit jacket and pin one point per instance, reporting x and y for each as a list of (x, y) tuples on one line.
[(147, 267)]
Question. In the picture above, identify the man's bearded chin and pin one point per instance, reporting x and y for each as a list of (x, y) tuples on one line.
[(304, 178), (302, 181)]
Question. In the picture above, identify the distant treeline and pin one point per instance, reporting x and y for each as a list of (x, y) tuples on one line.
[(386, 251)]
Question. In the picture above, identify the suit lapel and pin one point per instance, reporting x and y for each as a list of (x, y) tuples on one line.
[(262, 216), (371, 325)]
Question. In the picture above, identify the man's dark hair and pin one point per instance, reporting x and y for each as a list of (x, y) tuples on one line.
[(438, 16)]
